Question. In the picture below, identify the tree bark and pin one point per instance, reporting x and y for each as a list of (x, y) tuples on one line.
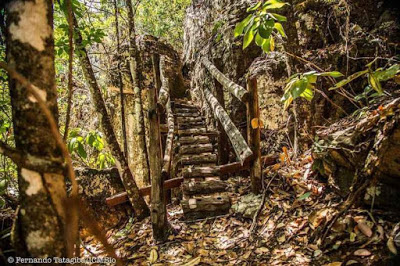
[(138, 203), (121, 85), (158, 206), (137, 79), (41, 219), (242, 150), (253, 135)]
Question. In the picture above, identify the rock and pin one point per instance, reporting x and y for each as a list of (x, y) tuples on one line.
[(247, 205)]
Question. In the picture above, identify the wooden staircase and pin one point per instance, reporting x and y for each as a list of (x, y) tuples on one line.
[(204, 193)]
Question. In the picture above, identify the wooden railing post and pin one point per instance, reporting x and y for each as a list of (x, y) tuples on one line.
[(253, 135), (158, 206)]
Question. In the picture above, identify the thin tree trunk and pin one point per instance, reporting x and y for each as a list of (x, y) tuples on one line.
[(127, 178), (121, 85), (41, 219), (137, 79)]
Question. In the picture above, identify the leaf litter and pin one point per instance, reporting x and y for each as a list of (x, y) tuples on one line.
[(297, 206)]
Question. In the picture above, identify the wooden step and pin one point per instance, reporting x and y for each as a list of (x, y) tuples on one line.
[(190, 140), (185, 105), (190, 125), (197, 132), (183, 120), (192, 187), (187, 115), (189, 172), (198, 159), (205, 206), (196, 149), (187, 111)]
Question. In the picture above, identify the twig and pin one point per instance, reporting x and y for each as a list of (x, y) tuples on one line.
[(70, 68), (255, 217)]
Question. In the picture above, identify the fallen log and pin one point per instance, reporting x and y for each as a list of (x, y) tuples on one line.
[(145, 191)]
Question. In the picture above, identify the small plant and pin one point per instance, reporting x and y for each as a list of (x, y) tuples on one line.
[(261, 24), (374, 77), (303, 85), (93, 144)]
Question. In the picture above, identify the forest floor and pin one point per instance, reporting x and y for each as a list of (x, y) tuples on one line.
[(296, 207)]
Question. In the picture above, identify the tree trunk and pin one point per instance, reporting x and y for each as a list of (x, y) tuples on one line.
[(121, 85), (138, 203), (137, 79), (158, 207), (41, 219)]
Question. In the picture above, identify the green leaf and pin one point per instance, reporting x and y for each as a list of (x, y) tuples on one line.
[(81, 151), (272, 43), (299, 87), (386, 74), (304, 196), (266, 28), (259, 40), (248, 38), (240, 26), (277, 17), (254, 7), (267, 46), (334, 74), (278, 26), (374, 82), (349, 79), (308, 93), (273, 4)]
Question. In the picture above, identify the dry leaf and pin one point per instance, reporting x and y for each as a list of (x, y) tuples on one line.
[(364, 228), (336, 263), (262, 250), (257, 123), (193, 262), (362, 252), (391, 246), (153, 256), (351, 262)]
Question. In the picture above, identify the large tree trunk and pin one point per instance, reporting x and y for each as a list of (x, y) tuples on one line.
[(137, 201), (137, 79), (40, 225)]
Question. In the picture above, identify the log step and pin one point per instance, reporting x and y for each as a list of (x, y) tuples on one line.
[(183, 120), (187, 111), (196, 149), (187, 115), (205, 206), (190, 172), (197, 132), (185, 105), (198, 159), (191, 187), (190, 125), (190, 140)]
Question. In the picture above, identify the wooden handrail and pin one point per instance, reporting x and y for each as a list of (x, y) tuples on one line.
[(163, 95), (169, 142), (238, 91), (242, 150)]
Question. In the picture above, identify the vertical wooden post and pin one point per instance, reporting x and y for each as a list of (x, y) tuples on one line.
[(158, 206), (253, 135)]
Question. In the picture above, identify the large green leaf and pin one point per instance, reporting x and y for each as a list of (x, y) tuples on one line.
[(266, 45), (248, 38), (266, 28), (374, 83), (240, 26), (259, 40), (299, 87)]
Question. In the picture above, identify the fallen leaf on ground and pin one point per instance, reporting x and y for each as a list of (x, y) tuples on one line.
[(362, 252)]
